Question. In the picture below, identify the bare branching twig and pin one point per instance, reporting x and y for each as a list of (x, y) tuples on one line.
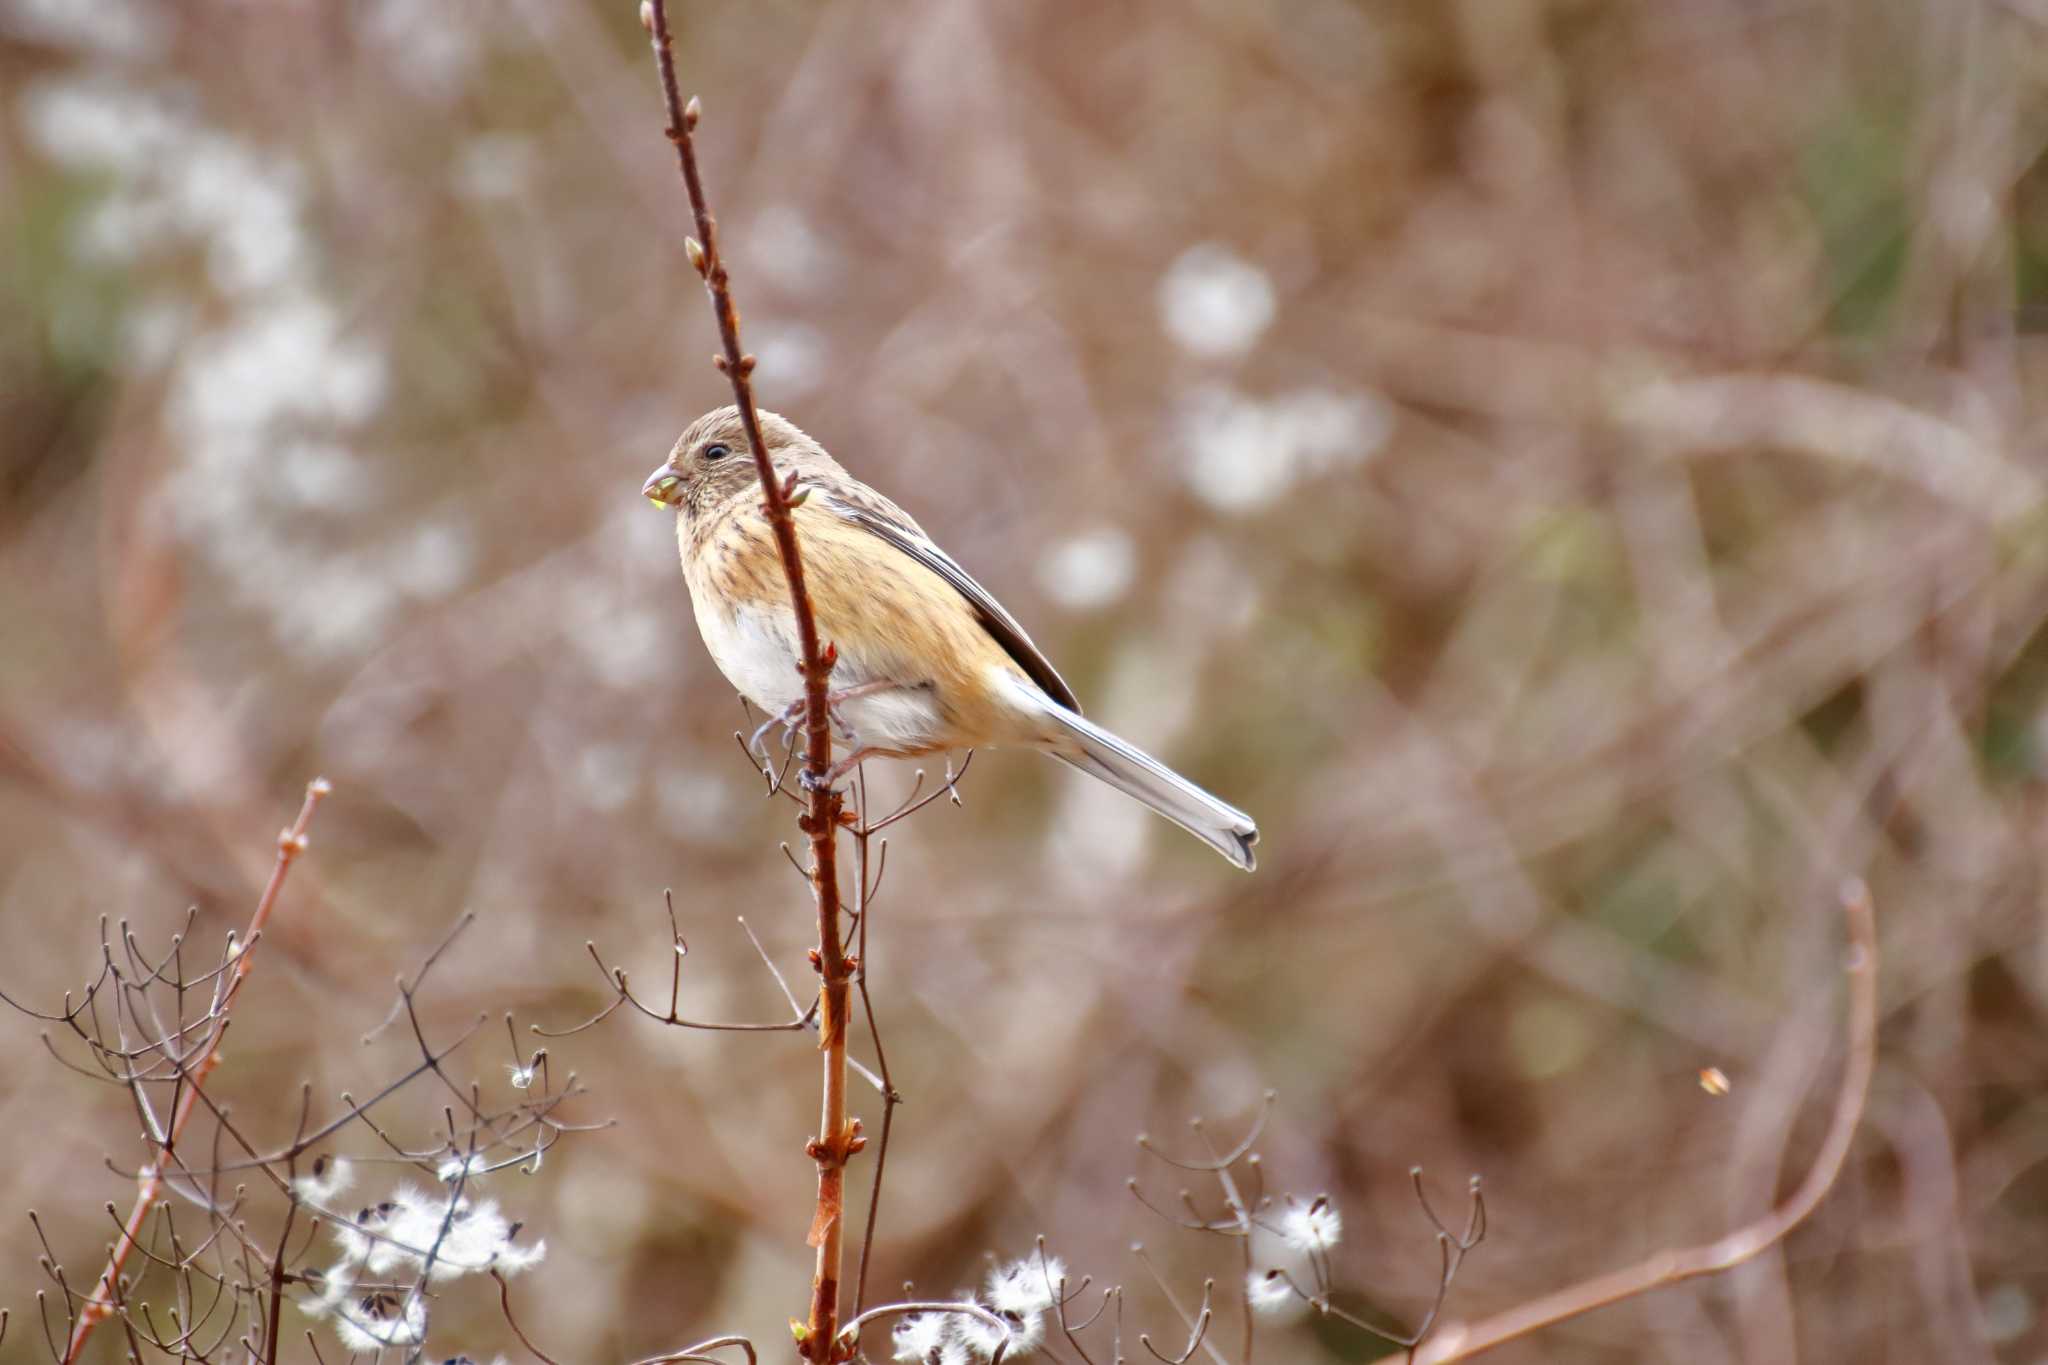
[(152, 1026), (104, 1300)]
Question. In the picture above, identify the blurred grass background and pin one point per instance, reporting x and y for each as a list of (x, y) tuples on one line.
[(1570, 468)]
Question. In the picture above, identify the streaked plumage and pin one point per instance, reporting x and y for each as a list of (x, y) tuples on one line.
[(932, 660)]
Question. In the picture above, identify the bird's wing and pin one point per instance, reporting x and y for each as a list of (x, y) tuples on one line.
[(877, 515)]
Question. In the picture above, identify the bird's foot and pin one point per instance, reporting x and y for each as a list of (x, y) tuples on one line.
[(835, 774), (787, 720), (791, 716)]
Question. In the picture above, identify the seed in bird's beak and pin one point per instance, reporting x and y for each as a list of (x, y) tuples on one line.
[(661, 490)]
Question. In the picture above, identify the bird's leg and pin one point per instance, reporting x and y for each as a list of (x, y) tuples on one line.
[(787, 720), (791, 713), (840, 727), (832, 700), (860, 751)]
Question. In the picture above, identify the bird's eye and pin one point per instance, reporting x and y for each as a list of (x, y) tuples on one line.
[(717, 450)]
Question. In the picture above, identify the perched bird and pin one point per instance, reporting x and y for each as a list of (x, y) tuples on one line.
[(927, 660)]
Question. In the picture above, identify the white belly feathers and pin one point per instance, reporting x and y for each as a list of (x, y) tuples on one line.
[(757, 650)]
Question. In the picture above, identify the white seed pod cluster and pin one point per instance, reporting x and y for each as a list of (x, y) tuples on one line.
[(417, 1236), (1017, 1295)]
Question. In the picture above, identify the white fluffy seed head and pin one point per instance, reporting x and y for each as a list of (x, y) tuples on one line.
[(359, 1236), (325, 1289), (1025, 1287), (462, 1238), (378, 1319), (1313, 1227), (325, 1181), (1027, 1334), (918, 1335), (1268, 1291), (980, 1336), (462, 1168)]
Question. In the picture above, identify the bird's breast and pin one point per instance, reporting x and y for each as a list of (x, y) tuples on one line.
[(891, 620), (754, 648)]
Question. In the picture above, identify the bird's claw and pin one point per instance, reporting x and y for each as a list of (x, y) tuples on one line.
[(786, 719), (790, 718)]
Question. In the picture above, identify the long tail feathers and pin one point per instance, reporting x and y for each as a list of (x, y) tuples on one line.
[(1137, 774)]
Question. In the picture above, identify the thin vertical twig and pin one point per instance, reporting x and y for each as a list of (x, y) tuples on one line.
[(838, 1137), (104, 1299), (864, 894)]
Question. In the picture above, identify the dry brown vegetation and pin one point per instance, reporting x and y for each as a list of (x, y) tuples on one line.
[(1569, 469)]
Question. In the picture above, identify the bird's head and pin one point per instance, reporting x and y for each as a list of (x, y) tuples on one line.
[(712, 460)]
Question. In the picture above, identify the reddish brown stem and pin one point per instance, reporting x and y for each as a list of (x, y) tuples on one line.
[(149, 1186), (838, 1138)]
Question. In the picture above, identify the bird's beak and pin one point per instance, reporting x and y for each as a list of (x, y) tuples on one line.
[(664, 488)]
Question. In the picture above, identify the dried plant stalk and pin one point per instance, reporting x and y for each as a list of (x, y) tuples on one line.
[(149, 1186), (838, 1137)]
